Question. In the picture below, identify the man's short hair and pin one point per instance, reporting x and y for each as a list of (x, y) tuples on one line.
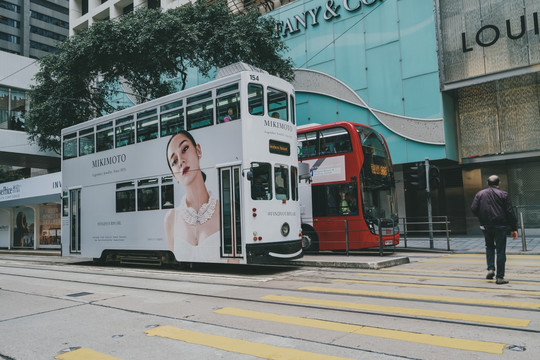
[(493, 180)]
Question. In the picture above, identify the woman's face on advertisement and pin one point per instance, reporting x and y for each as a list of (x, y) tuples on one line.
[(183, 158)]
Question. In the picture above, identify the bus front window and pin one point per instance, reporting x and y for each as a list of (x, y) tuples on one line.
[(378, 187)]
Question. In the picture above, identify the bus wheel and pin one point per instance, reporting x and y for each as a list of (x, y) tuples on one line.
[(310, 240)]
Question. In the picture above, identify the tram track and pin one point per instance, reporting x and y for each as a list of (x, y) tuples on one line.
[(242, 299)]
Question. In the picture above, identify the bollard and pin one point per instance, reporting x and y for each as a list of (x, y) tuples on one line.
[(381, 252), (347, 237), (523, 239)]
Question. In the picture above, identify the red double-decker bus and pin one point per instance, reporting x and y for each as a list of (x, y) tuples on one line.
[(350, 198)]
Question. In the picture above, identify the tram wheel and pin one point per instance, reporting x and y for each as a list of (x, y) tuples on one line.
[(310, 240)]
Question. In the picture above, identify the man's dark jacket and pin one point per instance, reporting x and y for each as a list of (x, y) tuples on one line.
[(494, 208)]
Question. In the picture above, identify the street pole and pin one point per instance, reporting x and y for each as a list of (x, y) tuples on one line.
[(428, 198)]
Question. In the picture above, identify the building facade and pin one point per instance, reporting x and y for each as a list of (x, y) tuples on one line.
[(29, 178), (456, 82), (32, 28)]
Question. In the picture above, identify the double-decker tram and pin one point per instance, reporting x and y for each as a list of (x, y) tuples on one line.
[(350, 201), (208, 174)]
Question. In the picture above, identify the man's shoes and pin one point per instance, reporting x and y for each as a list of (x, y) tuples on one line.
[(490, 275), (501, 281)]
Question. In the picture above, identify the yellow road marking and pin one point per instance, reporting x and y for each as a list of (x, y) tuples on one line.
[(484, 256), (237, 346), (85, 354), (436, 340), (472, 261), (449, 287), (434, 277), (425, 271), (483, 319), (516, 304)]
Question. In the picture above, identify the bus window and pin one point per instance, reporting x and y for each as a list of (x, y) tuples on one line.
[(104, 137), (307, 144), (277, 104), (261, 184), (125, 132), (228, 108), (335, 199), (255, 99), (167, 192), (70, 146), (201, 114), (147, 194), (294, 183), (86, 142), (334, 141), (281, 179), (172, 122), (125, 197)]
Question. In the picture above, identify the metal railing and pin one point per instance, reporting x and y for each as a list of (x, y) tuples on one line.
[(347, 233), (529, 214), (421, 225)]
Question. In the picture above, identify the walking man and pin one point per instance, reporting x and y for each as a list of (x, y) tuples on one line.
[(493, 209)]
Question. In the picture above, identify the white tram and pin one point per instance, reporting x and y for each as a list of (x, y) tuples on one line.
[(208, 174)]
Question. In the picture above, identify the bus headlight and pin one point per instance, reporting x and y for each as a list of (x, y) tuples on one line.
[(285, 229)]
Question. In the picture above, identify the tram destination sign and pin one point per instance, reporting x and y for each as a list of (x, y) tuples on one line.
[(281, 148)]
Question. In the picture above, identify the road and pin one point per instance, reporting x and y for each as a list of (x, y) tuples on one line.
[(438, 306)]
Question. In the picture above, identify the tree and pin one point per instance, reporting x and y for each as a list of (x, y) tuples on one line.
[(150, 51)]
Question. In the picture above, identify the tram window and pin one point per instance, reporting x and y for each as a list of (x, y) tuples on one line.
[(293, 114), (86, 142), (125, 132), (146, 113), (227, 89), (70, 146), (261, 184), (65, 203), (167, 192), (255, 99), (228, 108), (307, 144), (277, 104), (199, 97), (172, 122), (200, 115), (281, 179), (147, 194), (147, 129), (171, 106), (294, 183), (125, 197), (104, 137)]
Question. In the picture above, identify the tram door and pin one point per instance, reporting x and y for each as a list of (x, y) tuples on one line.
[(75, 220), (231, 225)]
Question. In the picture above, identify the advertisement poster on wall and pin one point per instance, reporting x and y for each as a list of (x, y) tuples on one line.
[(23, 234)]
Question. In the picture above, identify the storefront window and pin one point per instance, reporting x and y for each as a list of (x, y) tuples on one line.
[(50, 231), (23, 233)]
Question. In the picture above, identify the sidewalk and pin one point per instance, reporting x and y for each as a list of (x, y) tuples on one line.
[(468, 244)]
